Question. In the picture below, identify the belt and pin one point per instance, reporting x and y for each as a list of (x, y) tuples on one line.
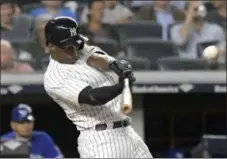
[(116, 124)]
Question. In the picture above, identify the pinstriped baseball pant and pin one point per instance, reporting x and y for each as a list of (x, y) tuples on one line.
[(112, 143)]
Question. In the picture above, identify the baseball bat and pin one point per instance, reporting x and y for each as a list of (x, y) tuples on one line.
[(127, 98)]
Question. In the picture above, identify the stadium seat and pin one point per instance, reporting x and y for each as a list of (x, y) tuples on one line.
[(151, 48), (21, 43), (31, 46), (177, 63), (24, 25), (35, 49), (37, 52), (80, 7), (108, 45), (27, 8), (44, 63), (137, 29), (138, 63)]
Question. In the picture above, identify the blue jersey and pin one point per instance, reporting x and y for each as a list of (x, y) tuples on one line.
[(42, 145), (62, 12)]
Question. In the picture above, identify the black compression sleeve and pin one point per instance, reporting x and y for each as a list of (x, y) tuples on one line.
[(101, 95)]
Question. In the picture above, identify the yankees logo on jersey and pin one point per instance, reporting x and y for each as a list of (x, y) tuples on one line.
[(64, 84)]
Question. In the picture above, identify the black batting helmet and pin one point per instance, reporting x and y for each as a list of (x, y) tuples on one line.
[(63, 31)]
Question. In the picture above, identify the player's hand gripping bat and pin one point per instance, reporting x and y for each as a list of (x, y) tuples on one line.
[(103, 61), (127, 98)]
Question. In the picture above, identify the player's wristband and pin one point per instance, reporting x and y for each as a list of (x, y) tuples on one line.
[(110, 59), (107, 58)]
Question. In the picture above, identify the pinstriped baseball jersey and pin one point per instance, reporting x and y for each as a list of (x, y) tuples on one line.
[(64, 82)]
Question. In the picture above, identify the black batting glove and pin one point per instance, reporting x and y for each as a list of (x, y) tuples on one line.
[(123, 69), (131, 78)]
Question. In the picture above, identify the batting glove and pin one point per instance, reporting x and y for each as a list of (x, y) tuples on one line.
[(123, 69)]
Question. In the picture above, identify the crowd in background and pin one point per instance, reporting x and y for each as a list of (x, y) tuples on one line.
[(185, 24)]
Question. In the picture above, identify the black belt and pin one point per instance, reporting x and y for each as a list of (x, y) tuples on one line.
[(116, 124)]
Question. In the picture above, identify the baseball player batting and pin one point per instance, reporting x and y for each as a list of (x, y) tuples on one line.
[(77, 78)]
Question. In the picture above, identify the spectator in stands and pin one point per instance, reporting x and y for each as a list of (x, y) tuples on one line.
[(222, 53), (85, 11), (195, 29), (14, 26), (222, 47), (40, 23), (8, 63), (179, 4), (209, 6), (17, 10), (114, 13), (7, 11), (95, 28), (163, 13), (22, 124), (41, 52), (137, 4), (218, 15), (53, 7), (72, 5)]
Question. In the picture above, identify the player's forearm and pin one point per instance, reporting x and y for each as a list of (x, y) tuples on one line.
[(101, 95), (100, 61)]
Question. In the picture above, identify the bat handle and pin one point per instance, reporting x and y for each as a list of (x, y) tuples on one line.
[(126, 83)]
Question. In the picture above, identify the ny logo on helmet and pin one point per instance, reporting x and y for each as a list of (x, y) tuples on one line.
[(73, 31)]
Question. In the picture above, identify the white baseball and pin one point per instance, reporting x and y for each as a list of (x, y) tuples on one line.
[(210, 52)]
